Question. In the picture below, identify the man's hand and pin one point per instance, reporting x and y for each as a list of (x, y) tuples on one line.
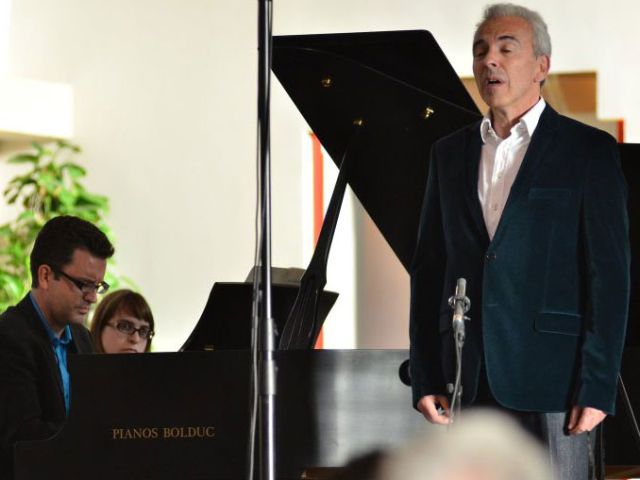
[(428, 406), (584, 419)]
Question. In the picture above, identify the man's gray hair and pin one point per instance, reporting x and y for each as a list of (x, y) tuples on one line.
[(485, 444), (541, 38)]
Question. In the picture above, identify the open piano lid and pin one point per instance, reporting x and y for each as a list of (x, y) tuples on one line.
[(402, 90), (377, 102), (388, 80)]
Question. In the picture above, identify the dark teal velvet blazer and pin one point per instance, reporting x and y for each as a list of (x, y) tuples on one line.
[(549, 294)]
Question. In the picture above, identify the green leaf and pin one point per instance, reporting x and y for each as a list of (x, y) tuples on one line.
[(48, 181), (38, 147), (14, 286), (26, 215), (24, 158), (75, 171), (64, 145), (67, 198), (98, 200)]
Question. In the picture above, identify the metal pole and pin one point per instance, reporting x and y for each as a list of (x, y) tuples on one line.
[(267, 369)]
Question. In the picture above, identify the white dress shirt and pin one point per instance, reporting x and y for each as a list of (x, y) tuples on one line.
[(500, 160)]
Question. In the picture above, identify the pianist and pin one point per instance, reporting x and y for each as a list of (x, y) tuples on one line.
[(68, 263), (122, 323), (530, 207)]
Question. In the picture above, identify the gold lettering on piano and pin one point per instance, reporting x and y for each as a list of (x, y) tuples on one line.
[(188, 432), (145, 433), (163, 433)]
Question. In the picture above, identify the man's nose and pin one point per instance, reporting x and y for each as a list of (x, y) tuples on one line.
[(491, 58), (91, 297)]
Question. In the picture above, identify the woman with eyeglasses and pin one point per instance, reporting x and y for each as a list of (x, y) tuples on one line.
[(122, 323)]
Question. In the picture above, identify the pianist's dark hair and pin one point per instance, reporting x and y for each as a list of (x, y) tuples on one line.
[(120, 301), (60, 237)]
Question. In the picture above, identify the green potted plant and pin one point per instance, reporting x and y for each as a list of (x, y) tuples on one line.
[(51, 187)]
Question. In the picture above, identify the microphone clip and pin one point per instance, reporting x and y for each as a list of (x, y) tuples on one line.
[(460, 304)]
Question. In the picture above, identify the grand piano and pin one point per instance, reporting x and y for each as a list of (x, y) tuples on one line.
[(376, 101)]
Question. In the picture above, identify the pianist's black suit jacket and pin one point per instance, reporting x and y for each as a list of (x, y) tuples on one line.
[(31, 398), (549, 293)]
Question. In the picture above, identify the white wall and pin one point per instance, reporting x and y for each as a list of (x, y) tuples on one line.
[(165, 111)]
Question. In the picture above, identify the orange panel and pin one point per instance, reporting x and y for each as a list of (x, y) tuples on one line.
[(318, 201)]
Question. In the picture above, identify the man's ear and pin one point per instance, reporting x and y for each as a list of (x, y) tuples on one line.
[(45, 276), (544, 64)]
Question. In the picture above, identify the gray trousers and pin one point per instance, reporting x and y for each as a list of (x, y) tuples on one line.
[(572, 457)]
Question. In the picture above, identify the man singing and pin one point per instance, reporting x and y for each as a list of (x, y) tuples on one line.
[(530, 208)]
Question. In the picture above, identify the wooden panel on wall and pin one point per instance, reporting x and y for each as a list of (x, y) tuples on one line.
[(572, 94)]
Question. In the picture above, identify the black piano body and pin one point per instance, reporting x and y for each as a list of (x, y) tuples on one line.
[(186, 415)]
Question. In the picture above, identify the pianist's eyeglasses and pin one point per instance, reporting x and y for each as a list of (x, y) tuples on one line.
[(127, 328), (84, 287)]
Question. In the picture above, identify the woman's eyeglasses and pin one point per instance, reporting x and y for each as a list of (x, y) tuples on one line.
[(128, 328)]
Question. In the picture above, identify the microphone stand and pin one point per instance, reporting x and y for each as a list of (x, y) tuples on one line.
[(460, 304), (267, 368)]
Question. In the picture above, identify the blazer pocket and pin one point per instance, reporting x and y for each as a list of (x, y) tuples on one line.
[(549, 193), (559, 322)]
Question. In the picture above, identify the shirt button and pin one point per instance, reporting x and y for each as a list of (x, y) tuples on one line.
[(494, 207)]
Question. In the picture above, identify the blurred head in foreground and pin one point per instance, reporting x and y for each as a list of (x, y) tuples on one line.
[(482, 445)]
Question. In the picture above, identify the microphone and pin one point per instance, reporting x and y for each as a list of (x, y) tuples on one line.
[(460, 304)]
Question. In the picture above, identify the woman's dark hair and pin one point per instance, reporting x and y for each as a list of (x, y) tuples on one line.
[(120, 301), (60, 237)]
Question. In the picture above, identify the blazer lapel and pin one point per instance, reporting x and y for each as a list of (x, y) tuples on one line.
[(472, 163), (53, 365), (35, 324), (540, 141)]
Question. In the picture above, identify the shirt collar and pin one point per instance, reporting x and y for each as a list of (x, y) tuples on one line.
[(528, 121), (64, 339)]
